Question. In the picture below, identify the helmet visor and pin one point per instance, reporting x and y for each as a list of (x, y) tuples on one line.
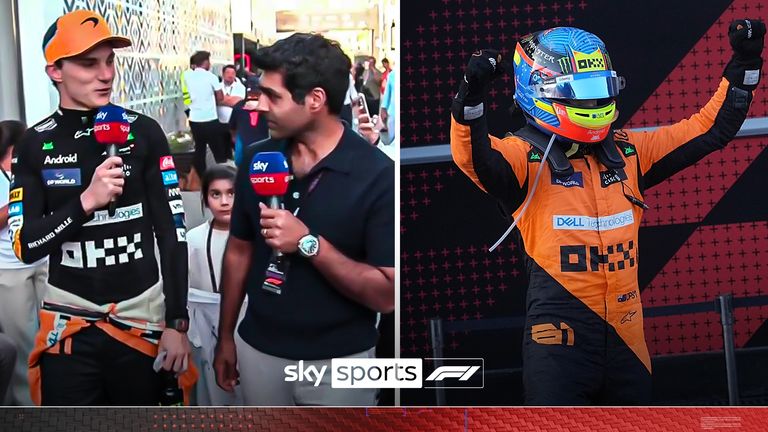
[(585, 85)]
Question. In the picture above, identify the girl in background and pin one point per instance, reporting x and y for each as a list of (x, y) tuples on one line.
[(205, 245)]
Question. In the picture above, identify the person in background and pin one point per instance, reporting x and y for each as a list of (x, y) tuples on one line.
[(357, 74), (184, 90), (246, 125), (388, 110), (385, 74), (7, 362), (205, 92), (205, 246), (372, 85), (349, 98), (368, 130), (22, 286), (234, 91)]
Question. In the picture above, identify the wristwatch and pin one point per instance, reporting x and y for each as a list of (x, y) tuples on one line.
[(179, 324), (309, 245)]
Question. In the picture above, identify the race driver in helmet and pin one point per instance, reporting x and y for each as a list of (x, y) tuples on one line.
[(582, 184)]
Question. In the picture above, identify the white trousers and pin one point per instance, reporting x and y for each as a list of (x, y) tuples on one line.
[(21, 292)]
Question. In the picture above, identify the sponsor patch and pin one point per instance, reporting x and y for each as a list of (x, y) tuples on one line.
[(534, 156), (610, 177), (174, 192), (15, 222), (574, 180), (589, 223), (50, 235), (122, 214), (46, 125), (16, 195), (181, 234), (82, 133), (628, 296), (473, 112), (613, 257), (178, 220), (628, 317), (166, 163), (176, 206), (122, 150), (751, 77), (170, 177), (15, 209), (101, 253), (61, 177), (61, 159), (626, 148)]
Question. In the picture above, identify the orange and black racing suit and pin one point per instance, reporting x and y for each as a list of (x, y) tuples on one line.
[(584, 339), (106, 302)]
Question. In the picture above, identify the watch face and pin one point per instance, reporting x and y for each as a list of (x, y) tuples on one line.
[(309, 245)]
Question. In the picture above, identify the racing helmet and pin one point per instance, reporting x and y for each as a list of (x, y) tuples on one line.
[(565, 84)]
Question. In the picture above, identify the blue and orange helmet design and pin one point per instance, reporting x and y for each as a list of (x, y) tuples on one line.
[(565, 84)]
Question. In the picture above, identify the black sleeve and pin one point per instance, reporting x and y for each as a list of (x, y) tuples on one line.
[(498, 166), (167, 215), (669, 149), (34, 232), (380, 222)]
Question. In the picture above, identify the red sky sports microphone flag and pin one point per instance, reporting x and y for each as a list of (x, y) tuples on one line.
[(270, 176), (111, 128)]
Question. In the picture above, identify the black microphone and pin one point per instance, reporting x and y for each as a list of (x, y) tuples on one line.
[(637, 202)]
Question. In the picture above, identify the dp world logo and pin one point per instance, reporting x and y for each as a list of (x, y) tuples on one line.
[(454, 373)]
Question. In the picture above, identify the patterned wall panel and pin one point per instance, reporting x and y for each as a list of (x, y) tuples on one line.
[(164, 34)]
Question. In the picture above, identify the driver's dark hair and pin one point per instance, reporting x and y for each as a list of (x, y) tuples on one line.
[(307, 61)]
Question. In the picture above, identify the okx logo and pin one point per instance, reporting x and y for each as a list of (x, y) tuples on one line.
[(454, 373)]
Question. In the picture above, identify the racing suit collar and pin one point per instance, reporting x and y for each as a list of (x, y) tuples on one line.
[(85, 116)]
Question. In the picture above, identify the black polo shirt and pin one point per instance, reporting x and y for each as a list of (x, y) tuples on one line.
[(352, 206)]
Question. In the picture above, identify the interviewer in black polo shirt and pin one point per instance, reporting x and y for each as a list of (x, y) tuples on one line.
[(343, 272)]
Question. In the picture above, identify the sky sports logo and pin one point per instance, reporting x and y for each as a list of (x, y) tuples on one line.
[(463, 373)]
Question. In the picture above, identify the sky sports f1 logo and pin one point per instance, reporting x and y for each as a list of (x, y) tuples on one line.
[(390, 373)]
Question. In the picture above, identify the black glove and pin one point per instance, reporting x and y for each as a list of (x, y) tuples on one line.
[(746, 37), (483, 67)]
